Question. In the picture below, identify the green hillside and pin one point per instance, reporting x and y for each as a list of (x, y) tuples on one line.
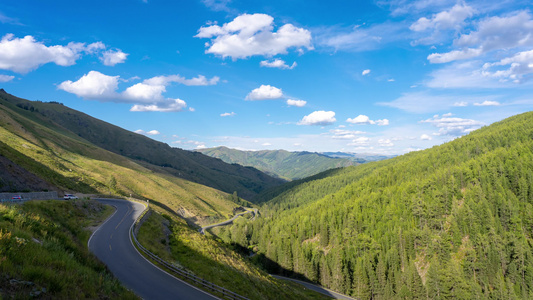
[(38, 154), (451, 222), (153, 155), (44, 255), (280, 163)]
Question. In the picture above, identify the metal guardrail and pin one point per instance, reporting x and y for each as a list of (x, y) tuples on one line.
[(209, 285)]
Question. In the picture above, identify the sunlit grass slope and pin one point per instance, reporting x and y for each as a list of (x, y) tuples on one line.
[(72, 164), (43, 252)]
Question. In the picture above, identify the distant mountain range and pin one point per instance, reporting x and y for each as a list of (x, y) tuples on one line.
[(289, 165)]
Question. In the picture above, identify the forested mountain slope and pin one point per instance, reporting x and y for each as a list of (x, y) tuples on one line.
[(451, 222), (188, 165), (280, 163)]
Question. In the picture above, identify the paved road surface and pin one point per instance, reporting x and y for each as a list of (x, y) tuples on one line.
[(203, 229), (316, 288), (111, 243)]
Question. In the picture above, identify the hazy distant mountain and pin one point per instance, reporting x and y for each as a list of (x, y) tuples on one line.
[(358, 157), (281, 163)]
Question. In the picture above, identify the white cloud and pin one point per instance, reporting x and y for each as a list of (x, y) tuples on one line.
[(168, 105), (520, 65), (453, 126), (201, 146), (264, 92), (362, 120), (494, 33), (358, 38), (487, 103), (319, 118), (366, 72), (266, 144), (277, 63), (146, 95), (383, 122), (93, 85), (460, 104), (425, 137), (385, 143), (217, 5), (26, 54), (6, 78), (231, 114), (298, 103), (360, 141), (451, 19), (342, 134), (23, 55), (200, 80), (248, 35), (153, 132), (142, 92), (113, 57)]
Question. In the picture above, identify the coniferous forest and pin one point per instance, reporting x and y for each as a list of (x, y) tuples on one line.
[(451, 222)]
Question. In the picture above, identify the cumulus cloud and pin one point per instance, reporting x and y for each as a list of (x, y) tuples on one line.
[(453, 126), (146, 95), (277, 63), (319, 118), (6, 78), (264, 92), (297, 103), (93, 85), (113, 57), (487, 103), (425, 137), (23, 55), (248, 35), (460, 104), (231, 114), (449, 19), (363, 120), (520, 65), (452, 19), (366, 72), (494, 33)]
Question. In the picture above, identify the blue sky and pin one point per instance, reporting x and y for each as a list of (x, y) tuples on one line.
[(387, 77)]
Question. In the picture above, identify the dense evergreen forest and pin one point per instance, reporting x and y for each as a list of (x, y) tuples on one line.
[(451, 222)]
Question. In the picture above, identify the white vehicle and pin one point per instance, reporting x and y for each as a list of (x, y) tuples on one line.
[(69, 197)]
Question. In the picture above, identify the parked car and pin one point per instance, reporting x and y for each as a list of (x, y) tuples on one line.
[(69, 197), (16, 198)]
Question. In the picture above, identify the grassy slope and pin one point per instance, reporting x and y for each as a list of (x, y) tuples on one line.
[(449, 222), (172, 240), (46, 243), (280, 163), (73, 164), (189, 165)]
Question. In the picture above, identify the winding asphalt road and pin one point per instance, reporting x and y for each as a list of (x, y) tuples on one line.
[(203, 229), (111, 243)]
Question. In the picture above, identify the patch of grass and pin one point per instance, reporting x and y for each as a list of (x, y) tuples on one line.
[(43, 249), (215, 262)]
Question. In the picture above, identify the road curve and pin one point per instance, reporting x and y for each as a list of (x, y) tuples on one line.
[(111, 243), (203, 229)]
